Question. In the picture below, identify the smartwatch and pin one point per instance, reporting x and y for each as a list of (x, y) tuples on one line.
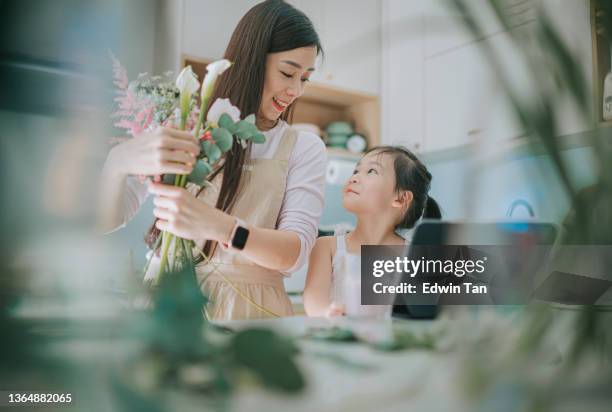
[(239, 236)]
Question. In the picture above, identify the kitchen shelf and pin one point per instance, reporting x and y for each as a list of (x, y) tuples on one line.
[(322, 104), (342, 153)]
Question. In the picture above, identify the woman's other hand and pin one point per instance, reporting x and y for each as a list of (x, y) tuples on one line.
[(163, 151), (182, 214)]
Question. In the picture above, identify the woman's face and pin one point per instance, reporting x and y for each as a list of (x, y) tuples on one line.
[(371, 188), (286, 74)]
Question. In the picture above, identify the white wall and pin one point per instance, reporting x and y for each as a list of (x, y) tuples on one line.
[(136, 36), (168, 35)]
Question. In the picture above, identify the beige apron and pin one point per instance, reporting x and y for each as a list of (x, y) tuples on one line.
[(259, 203)]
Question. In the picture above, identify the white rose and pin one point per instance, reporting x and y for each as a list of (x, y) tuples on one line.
[(213, 70), (221, 106), (187, 82)]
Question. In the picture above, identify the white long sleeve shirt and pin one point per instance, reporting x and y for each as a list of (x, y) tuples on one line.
[(304, 194)]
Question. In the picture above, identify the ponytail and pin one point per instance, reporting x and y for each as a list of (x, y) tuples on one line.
[(432, 209)]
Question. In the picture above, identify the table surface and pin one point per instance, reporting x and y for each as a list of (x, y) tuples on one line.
[(349, 376)]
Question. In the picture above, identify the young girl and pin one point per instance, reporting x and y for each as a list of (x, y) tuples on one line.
[(266, 199), (387, 191)]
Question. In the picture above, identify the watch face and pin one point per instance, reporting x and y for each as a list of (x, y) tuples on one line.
[(240, 237)]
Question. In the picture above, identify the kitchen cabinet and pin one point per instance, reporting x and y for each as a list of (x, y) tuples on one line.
[(350, 34), (440, 92), (351, 38), (445, 31), (402, 73)]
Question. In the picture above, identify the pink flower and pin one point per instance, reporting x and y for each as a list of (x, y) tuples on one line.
[(120, 77)]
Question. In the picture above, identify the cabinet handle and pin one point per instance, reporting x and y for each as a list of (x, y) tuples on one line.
[(474, 132)]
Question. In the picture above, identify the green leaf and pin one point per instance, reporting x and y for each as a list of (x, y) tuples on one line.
[(213, 153), (226, 122), (270, 357), (245, 130), (200, 170), (177, 313), (250, 118), (223, 138), (407, 340), (334, 334), (258, 138)]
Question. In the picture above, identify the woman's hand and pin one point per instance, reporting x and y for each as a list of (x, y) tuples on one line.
[(164, 151), (182, 214)]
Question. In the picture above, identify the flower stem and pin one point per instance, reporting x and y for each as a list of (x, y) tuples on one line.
[(154, 250), (175, 266), (181, 181), (198, 125), (167, 237)]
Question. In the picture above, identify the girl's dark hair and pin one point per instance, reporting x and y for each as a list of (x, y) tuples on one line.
[(412, 175), (271, 26)]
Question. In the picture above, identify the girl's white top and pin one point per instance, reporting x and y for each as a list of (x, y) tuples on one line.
[(304, 194), (346, 279)]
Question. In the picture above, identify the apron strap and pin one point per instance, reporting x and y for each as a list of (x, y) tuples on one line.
[(285, 146), (340, 245)]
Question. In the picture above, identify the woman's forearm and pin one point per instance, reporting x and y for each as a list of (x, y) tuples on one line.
[(182, 214), (273, 249), (111, 194)]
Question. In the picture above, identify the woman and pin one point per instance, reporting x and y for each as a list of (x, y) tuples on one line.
[(266, 200)]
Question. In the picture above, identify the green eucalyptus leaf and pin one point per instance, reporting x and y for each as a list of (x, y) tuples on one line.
[(250, 118), (334, 334), (270, 357), (200, 170), (213, 153), (177, 313), (223, 138), (226, 122), (245, 130), (258, 138)]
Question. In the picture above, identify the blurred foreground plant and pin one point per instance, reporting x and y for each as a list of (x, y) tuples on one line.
[(589, 221), (185, 353)]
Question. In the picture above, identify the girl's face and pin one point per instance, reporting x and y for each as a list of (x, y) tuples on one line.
[(286, 74), (371, 188)]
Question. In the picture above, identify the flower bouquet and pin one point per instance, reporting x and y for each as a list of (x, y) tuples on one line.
[(151, 102)]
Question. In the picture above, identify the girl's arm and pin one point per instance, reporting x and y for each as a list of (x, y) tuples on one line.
[(319, 279)]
